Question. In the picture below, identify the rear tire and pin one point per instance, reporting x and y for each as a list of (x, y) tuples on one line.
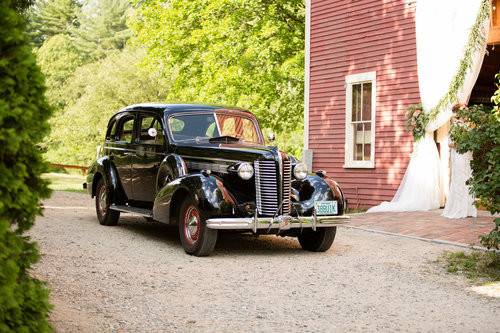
[(196, 238), (105, 215), (317, 241)]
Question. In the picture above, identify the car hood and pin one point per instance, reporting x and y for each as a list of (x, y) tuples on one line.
[(238, 152)]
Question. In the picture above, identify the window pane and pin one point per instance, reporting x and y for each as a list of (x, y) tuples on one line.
[(358, 142), (358, 153), (193, 127), (367, 101), (148, 122), (127, 130), (367, 136), (367, 152), (176, 125), (111, 135), (356, 102), (238, 126)]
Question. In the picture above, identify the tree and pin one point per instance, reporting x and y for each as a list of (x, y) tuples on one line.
[(237, 52), (103, 28), (23, 123), (93, 94), (48, 18), (58, 59)]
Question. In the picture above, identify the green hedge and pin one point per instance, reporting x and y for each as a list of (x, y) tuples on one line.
[(24, 112)]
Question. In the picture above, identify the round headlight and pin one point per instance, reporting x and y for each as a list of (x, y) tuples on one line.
[(245, 171), (300, 171)]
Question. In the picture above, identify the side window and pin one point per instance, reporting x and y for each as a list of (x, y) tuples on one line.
[(111, 133), (360, 120), (126, 129), (147, 123)]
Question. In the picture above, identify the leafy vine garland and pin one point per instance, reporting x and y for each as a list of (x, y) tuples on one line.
[(417, 120)]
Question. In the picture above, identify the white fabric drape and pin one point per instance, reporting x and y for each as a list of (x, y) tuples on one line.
[(442, 137), (442, 32), (460, 204)]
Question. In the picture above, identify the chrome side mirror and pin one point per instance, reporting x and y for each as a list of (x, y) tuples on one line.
[(152, 132), (271, 137)]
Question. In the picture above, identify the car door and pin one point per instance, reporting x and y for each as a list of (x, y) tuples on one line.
[(121, 150), (150, 152)]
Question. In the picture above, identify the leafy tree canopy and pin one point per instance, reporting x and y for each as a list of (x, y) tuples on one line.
[(58, 59), (103, 28), (93, 94), (53, 17), (236, 52)]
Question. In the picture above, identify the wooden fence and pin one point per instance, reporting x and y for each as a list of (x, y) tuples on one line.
[(83, 169)]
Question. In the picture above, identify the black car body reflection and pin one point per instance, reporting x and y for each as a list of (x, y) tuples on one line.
[(205, 169)]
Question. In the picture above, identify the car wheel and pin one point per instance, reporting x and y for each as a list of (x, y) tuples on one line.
[(317, 241), (105, 215), (196, 238)]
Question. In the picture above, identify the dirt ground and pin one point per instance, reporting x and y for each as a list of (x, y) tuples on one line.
[(135, 277)]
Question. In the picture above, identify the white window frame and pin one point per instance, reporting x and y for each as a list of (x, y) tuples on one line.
[(350, 80)]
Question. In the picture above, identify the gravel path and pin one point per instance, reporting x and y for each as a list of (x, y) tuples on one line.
[(135, 277)]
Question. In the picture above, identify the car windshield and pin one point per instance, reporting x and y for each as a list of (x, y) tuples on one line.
[(206, 126)]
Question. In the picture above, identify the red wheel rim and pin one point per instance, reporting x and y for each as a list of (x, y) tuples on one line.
[(102, 202), (192, 225)]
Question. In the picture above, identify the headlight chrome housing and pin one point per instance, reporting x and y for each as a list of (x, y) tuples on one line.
[(300, 171), (245, 171)]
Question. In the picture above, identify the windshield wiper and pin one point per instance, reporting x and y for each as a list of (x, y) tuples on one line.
[(224, 139)]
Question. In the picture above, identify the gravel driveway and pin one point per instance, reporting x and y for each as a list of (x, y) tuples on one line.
[(135, 277)]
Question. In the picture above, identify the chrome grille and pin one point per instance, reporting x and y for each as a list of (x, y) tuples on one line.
[(267, 189), (287, 184)]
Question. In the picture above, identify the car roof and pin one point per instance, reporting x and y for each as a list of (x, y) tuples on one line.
[(175, 108)]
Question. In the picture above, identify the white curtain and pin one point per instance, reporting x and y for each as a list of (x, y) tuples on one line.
[(442, 31)]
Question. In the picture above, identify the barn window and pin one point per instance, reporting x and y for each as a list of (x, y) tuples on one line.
[(360, 120)]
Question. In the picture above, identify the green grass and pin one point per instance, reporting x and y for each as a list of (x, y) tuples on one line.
[(71, 182), (476, 265)]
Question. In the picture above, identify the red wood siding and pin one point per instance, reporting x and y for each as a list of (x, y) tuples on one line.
[(357, 36)]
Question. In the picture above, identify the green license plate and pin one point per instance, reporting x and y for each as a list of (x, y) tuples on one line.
[(326, 207)]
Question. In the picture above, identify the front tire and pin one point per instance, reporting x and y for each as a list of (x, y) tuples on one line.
[(196, 238), (317, 241), (105, 215)]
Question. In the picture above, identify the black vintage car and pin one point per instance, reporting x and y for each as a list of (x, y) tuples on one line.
[(205, 169)]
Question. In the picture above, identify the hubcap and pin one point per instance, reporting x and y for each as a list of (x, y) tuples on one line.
[(192, 225), (102, 201)]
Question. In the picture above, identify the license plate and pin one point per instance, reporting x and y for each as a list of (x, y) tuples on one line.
[(326, 207)]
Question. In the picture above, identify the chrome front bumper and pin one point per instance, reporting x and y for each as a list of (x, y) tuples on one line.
[(283, 222)]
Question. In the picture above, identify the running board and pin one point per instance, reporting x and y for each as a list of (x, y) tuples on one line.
[(133, 210)]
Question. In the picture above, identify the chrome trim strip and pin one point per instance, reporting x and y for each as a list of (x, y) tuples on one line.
[(281, 222), (140, 152), (188, 157), (286, 181), (220, 168)]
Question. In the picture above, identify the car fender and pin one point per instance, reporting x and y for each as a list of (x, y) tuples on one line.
[(208, 192), (172, 167), (316, 188), (104, 167)]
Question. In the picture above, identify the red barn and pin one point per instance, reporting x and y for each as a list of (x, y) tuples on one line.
[(361, 75)]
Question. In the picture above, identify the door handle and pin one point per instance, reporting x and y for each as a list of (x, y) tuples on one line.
[(129, 154)]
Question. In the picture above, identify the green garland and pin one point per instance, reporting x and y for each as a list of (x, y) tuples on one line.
[(417, 122)]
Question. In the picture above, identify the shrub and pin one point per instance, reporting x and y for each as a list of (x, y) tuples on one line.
[(23, 123), (478, 131)]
